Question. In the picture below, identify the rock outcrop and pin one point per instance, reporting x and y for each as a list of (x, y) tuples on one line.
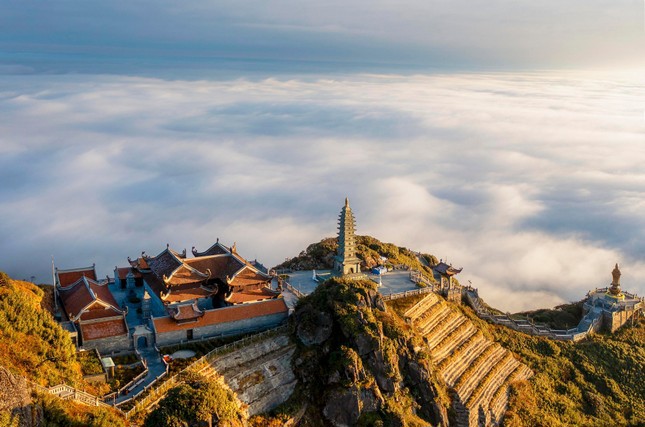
[(367, 367), (16, 406), (260, 373)]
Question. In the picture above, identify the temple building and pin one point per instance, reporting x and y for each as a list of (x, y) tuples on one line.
[(215, 292), (448, 287), (89, 311), (610, 308), (346, 261)]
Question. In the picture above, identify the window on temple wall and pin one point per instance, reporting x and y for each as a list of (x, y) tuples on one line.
[(189, 334)]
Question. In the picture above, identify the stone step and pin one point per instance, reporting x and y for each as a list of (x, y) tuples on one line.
[(452, 342), (438, 334), (456, 367), (430, 323), (430, 315), (420, 307), (482, 365), (484, 391), (498, 404)]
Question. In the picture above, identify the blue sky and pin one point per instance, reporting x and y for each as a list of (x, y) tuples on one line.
[(505, 136)]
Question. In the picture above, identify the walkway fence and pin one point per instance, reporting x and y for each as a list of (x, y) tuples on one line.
[(526, 325), (157, 393), (293, 290), (66, 392), (420, 291)]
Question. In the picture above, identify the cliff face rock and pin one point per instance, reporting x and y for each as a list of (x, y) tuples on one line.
[(16, 406), (313, 326), (260, 374), (357, 362)]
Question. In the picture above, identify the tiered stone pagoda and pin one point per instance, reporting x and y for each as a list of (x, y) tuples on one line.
[(346, 261)]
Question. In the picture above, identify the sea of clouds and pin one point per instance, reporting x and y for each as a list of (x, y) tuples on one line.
[(533, 182)]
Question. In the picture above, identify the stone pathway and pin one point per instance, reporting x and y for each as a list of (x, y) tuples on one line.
[(156, 368)]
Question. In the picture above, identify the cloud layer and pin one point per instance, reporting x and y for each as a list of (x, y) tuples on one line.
[(532, 182)]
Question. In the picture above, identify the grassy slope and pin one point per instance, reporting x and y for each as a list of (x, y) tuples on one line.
[(33, 345), (370, 250), (596, 382)]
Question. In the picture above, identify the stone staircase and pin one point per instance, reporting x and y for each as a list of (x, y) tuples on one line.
[(478, 371), (259, 373)]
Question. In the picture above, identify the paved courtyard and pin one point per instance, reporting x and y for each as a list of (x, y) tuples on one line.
[(392, 282)]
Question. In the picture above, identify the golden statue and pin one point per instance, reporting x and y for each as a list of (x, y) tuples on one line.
[(615, 283)]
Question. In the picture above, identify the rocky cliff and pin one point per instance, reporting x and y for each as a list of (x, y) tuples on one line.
[(358, 363), (260, 373), (16, 406)]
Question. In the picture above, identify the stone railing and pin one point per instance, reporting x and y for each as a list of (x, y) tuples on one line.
[(527, 326), (66, 392), (417, 277), (293, 290), (154, 394), (405, 294)]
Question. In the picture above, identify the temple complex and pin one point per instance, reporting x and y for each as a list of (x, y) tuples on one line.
[(89, 311), (610, 308), (216, 292), (346, 262)]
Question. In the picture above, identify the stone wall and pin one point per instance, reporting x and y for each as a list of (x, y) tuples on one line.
[(221, 329), (109, 345), (614, 320), (260, 373)]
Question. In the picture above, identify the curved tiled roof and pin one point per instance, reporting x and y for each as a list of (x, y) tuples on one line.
[(78, 296), (185, 274), (70, 276), (220, 266), (445, 269), (216, 249), (164, 264), (253, 295)]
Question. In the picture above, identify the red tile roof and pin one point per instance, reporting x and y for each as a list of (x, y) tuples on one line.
[(216, 249), (247, 296), (97, 311), (110, 328), (186, 293), (220, 266), (164, 263), (79, 295), (122, 272), (249, 276), (67, 277), (224, 315), (184, 275), (186, 312)]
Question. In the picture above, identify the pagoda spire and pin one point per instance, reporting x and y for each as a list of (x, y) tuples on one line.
[(346, 260)]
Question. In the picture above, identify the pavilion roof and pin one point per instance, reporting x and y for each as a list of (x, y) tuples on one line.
[(446, 269)]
